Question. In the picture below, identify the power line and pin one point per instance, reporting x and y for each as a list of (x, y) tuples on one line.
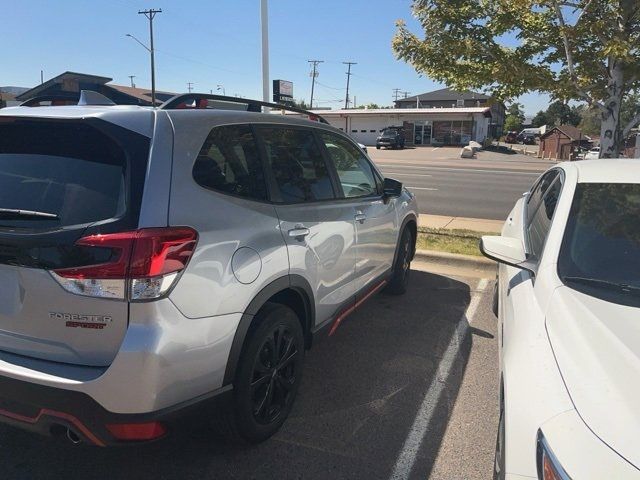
[(406, 94), (314, 74), (346, 98), (396, 93), (190, 86), (131, 77)]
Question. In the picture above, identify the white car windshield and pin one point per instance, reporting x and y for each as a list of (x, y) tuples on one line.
[(600, 252)]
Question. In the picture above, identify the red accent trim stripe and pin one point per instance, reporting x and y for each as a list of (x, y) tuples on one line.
[(52, 413), (349, 310)]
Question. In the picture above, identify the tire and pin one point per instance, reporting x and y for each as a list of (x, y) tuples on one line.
[(499, 459), (402, 266), (269, 373), (377, 147)]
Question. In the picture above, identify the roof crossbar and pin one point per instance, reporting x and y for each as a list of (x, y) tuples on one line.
[(200, 101)]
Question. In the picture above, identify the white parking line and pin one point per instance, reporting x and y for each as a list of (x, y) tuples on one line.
[(413, 442), (423, 188), (445, 169), (434, 149)]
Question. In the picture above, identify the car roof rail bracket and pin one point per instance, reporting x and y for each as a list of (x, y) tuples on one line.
[(201, 101)]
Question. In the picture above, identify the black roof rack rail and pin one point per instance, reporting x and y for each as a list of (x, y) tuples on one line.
[(185, 100)]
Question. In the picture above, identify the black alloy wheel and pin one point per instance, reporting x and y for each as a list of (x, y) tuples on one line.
[(269, 373)]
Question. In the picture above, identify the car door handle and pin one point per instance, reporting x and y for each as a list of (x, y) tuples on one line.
[(299, 232), (360, 217)]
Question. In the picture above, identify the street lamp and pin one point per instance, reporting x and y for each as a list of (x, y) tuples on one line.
[(153, 73), (221, 87)]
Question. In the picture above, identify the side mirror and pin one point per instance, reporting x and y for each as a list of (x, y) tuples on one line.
[(506, 250), (392, 188)]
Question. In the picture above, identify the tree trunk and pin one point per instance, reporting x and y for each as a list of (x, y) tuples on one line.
[(611, 140)]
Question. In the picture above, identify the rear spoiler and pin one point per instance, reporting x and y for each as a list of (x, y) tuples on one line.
[(201, 101)]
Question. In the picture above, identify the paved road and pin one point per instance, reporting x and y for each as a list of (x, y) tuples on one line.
[(486, 187), (407, 388)]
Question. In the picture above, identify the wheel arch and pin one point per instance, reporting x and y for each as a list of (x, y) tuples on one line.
[(291, 290), (410, 222)]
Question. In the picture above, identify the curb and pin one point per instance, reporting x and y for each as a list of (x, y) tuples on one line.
[(456, 260)]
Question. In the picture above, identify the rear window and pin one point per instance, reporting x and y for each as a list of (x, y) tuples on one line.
[(55, 174)]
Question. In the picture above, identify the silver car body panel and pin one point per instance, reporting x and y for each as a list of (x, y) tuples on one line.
[(177, 348)]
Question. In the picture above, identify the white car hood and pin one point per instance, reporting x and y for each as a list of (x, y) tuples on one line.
[(597, 346)]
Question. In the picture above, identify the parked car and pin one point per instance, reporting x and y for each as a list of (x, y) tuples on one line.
[(592, 154), (391, 137), (526, 138), (156, 260), (511, 137), (568, 304)]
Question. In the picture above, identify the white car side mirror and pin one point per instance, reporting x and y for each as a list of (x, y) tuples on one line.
[(507, 250)]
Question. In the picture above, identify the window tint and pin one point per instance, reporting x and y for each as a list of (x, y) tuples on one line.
[(297, 164), (228, 162), (600, 253), (70, 171), (540, 223), (538, 191), (354, 170)]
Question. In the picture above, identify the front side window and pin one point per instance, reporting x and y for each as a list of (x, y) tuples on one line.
[(228, 162), (600, 253), (298, 167), (540, 222), (354, 171)]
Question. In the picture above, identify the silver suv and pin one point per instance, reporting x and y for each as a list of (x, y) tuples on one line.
[(155, 260)]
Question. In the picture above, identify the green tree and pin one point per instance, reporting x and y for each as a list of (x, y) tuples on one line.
[(559, 113), (574, 50), (514, 117), (591, 118), (370, 106), (541, 118)]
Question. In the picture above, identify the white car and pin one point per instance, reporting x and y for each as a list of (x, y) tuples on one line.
[(592, 154), (568, 303)]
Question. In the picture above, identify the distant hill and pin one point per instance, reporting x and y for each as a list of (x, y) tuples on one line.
[(14, 90)]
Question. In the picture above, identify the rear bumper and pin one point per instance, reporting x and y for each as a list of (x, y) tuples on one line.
[(166, 363), (49, 411)]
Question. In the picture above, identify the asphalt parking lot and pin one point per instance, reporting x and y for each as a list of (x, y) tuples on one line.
[(406, 388)]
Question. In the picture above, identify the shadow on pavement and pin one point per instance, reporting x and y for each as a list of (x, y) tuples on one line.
[(357, 403)]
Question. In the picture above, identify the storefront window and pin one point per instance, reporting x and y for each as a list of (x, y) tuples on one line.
[(449, 132)]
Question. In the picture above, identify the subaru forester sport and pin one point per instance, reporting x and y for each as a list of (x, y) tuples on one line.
[(155, 260)]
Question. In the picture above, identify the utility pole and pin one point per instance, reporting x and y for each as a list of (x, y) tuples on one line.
[(150, 14), (41, 77), (264, 16), (314, 74), (131, 77), (346, 98), (396, 93), (406, 94), (189, 86)]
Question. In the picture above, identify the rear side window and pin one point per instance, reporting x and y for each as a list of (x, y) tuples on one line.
[(59, 174), (298, 167), (228, 162), (354, 171), (540, 223)]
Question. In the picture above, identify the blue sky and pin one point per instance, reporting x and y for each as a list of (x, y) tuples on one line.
[(217, 42)]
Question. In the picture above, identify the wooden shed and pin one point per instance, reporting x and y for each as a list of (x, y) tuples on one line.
[(559, 143)]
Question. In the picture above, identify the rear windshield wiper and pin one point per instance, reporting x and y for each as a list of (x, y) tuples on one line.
[(596, 282), (20, 214)]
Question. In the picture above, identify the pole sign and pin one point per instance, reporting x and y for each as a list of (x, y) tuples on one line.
[(282, 91)]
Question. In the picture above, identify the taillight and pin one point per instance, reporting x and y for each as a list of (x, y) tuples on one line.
[(142, 265)]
